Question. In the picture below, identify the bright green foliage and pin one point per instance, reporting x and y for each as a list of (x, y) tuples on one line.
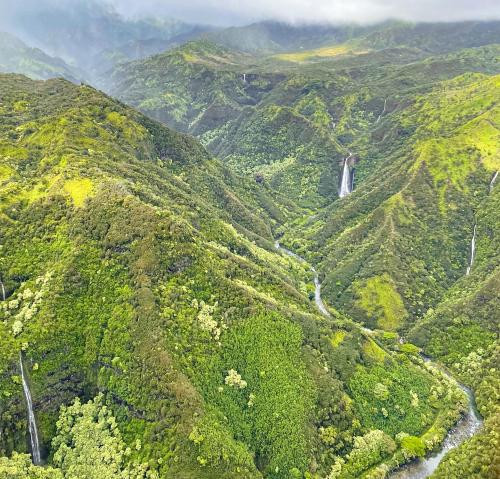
[(393, 387), (20, 466), (368, 450), (266, 352), (380, 300), (137, 265), (413, 446), (88, 444)]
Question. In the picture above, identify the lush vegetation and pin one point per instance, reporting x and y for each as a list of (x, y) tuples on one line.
[(161, 331)]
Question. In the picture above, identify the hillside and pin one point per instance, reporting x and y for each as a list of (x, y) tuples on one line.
[(17, 57), (140, 271), (283, 118), (391, 249), (90, 34), (417, 106)]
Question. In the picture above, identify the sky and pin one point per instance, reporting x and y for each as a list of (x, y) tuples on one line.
[(225, 12), (238, 12)]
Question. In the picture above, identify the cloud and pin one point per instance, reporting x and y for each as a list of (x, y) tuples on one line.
[(227, 12), (311, 11)]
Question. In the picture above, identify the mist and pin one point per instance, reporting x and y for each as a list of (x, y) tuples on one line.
[(236, 12)]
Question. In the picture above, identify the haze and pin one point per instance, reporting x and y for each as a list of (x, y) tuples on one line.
[(232, 12)]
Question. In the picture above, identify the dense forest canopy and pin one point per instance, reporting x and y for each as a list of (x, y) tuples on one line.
[(183, 291)]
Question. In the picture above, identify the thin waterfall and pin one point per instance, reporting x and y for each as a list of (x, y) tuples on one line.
[(3, 291), (35, 445), (244, 77), (346, 184), (492, 182), (383, 111), (472, 251)]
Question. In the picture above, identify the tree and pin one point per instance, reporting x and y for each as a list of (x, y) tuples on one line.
[(19, 466), (88, 444)]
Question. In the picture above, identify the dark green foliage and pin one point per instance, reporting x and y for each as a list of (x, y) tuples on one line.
[(138, 266)]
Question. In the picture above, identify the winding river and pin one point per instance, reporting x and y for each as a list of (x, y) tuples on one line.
[(466, 427)]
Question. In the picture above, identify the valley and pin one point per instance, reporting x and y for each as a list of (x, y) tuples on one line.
[(263, 251)]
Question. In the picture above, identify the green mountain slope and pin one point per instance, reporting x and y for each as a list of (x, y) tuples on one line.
[(286, 120), (137, 266), (392, 249), (462, 331), (91, 34), (17, 57)]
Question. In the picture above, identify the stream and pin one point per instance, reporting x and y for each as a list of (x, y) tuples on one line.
[(317, 284), (466, 427)]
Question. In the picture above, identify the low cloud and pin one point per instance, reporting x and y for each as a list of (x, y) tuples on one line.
[(231, 12), (311, 11)]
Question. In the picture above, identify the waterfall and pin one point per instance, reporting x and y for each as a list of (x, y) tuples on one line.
[(3, 291), (472, 251), (492, 182), (383, 111), (35, 446), (346, 184), (244, 77)]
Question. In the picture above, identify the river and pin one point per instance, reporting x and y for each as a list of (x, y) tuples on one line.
[(466, 427)]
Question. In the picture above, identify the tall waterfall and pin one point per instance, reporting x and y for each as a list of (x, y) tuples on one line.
[(346, 185), (35, 445), (472, 251), (3, 291)]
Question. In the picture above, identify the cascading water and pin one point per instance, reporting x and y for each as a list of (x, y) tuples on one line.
[(472, 251), (383, 111), (346, 184), (3, 291), (35, 445), (317, 285), (492, 182)]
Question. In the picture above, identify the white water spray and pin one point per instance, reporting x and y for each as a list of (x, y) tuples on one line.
[(472, 251), (35, 445), (346, 185)]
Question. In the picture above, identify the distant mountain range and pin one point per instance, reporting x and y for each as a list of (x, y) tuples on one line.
[(17, 57)]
